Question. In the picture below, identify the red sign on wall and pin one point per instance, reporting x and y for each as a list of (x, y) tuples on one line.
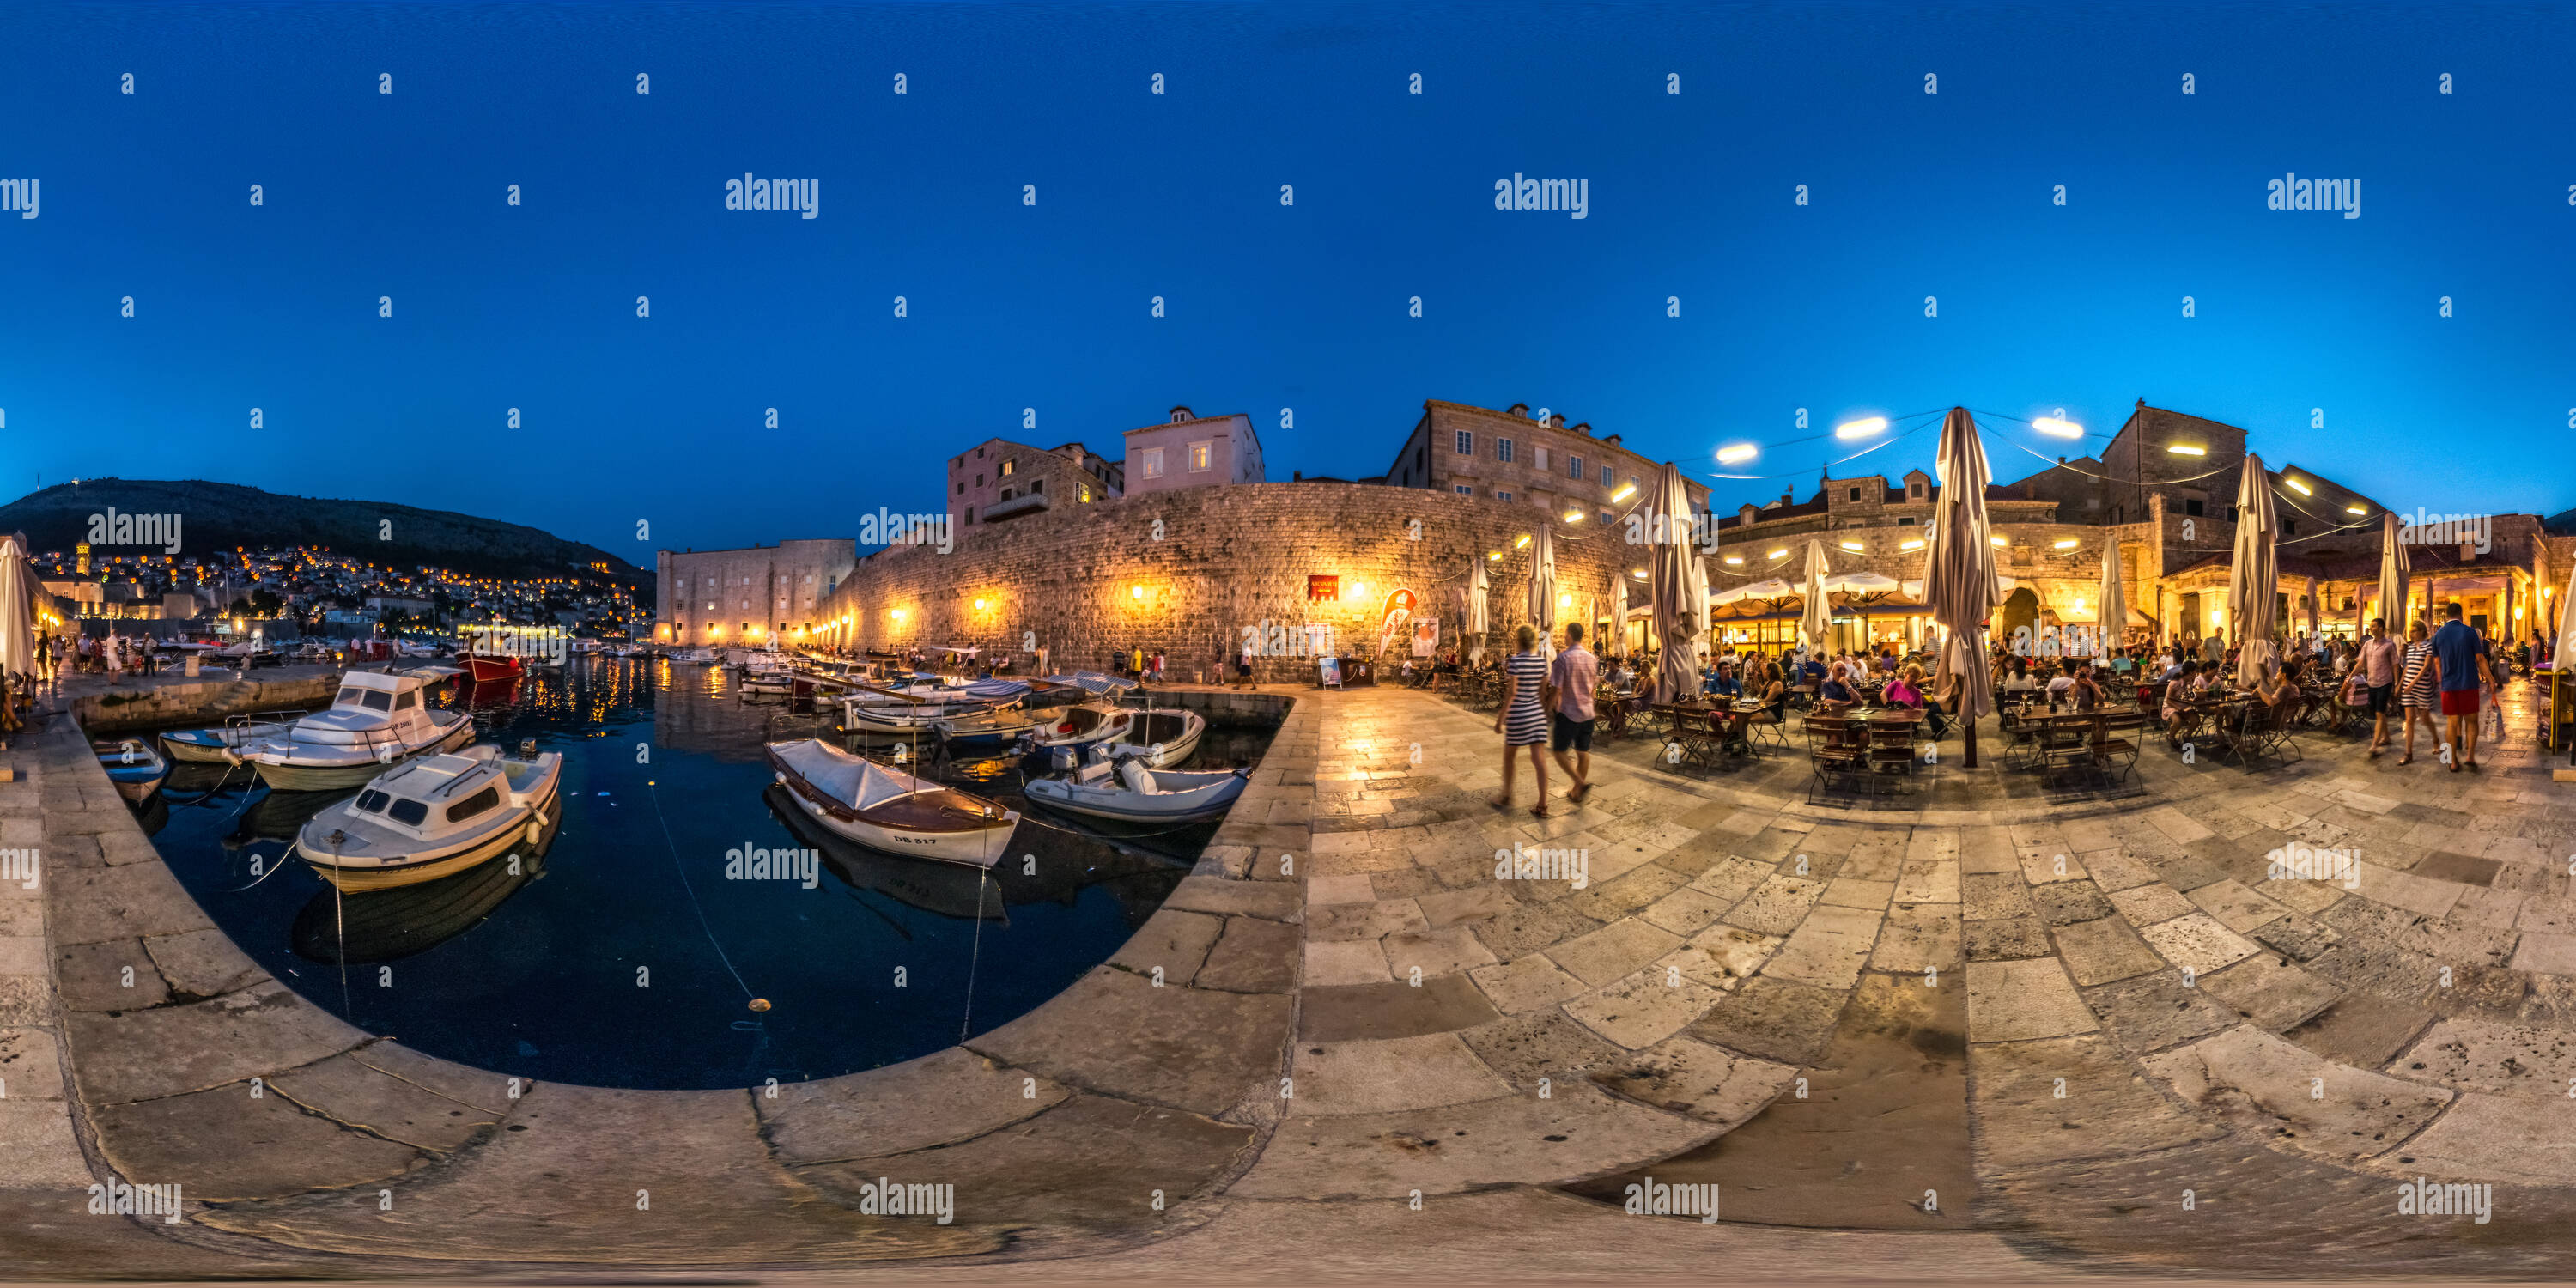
[(1323, 586)]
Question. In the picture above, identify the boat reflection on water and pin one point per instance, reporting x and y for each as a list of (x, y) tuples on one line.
[(1139, 882), (278, 816), (388, 925), (481, 696)]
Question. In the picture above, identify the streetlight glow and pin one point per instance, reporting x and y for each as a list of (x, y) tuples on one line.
[(2059, 428), (1860, 428), (1737, 453)]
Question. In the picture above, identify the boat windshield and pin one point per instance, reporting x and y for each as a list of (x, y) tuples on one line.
[(371, 699), (372, 801), (409, 812)]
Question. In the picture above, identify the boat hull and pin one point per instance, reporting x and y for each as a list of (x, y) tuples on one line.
[(1131, 807), (207, 746), (320, 778), (481, 668), (981, 847), (357, 880)]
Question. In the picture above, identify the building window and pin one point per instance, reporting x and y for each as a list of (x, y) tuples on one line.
[(1466, 442), (1200, 456), (1006, 494), (970, 514), (1605, 476), (1914, 490), (1009, 468), (1855, 494), (979, 480), (1605, 518), (2289, 527), (1153, 462), (2191, 505), (979, 453), (1905, 522), (1538, 458), (1574, 468), (1037, 485), (1462, 489), (1503, 450), (1502, 496), (1083, 493), (961, 488)]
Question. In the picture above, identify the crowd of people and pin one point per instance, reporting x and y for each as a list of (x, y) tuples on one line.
[(2455, 672)]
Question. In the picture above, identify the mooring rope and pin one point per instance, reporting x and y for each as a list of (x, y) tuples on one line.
[(651, 790), (977, 958)]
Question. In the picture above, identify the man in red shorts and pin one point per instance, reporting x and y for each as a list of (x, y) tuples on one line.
[(2459, 668)]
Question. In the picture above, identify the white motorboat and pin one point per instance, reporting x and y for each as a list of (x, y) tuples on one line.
[(433, 817), (1161, 739), (378, 720), (769, 681), (987, 731), (630, 650), (1133, 793), (868, 709), (207, 746), (1082, 726), (696, 657), (132, 766), (888, 809)]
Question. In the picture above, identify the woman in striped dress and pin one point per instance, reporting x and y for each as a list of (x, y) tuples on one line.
[(2415, 689), (1523, 718)]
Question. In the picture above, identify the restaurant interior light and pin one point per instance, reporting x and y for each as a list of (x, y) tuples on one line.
[(1737, 453), (2297, 486), (2059, 428), (1625, 491), (1860, 428), (1638, 573), (1136, 592), (2187, 449), (980, 605), (2067, 544), (1910, 543)]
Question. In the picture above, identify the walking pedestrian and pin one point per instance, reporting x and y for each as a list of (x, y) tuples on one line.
[(1572, 677), (2378, 667), (2460, 669), (1523, 718), (2415, 687)]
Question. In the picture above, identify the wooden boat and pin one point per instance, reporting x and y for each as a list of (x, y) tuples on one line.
[(487, 668), (378, 720), (1082, 726), (695, 657), (868, 709), (888, 809), (132, 765), (1161, 739), (207, 746), (434, 817), (986, 731), (768, 682), (1135, 794)]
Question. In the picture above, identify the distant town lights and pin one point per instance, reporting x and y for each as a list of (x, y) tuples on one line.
[(1493, 554), (2187, 449), (1639, 573), (2059, 428), (1137, 593), (1737, 453), (1860, 428), (1565, 601)]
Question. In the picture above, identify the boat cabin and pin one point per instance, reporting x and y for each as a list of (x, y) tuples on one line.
[(371, 700), (433, 794)]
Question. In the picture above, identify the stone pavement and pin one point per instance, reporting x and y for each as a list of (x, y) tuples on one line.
[(1988, 1029)]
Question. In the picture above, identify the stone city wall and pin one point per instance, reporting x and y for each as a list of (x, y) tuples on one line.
[(1091, 582)]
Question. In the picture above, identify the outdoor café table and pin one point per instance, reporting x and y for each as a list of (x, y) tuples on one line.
[(1612, 708), (2220, 716)]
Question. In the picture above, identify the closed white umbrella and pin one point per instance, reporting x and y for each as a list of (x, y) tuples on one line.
[(2566, 621), (1479, 589), (2114, 618), (1667, 529), (1542, 586), (1618, 641), (17, 608), (1959, 583), (2392, 577), (2254, 575), (1818, 617)]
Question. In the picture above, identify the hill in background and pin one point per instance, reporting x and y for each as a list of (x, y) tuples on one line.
[(221, 516)]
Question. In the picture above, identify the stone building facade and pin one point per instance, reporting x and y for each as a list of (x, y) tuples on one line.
[(997, 480), (1513, 457), (748, 597), (1190, 450)]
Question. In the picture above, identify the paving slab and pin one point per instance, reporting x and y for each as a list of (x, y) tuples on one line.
[(1253, 956), (2056, 1100), (1440, 1004), (2287, 1097), (1384, 1074), (947, 1096), (2016, 1001), (1197, 1049), (169, 1050), (1528, 984), (2512, 1139), (1693, 1078), (1577, 1132), (2197, 943), (227, 1145), (2270, 992)]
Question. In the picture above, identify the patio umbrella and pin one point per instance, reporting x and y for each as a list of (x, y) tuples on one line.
[(1618, 640), (2114, 618), (1818, 618), (1959, 583), (1542, 586), (2254, 575), (2312, 608), (17, 609), (2392, 577), (2566, 623), (1668, 573)]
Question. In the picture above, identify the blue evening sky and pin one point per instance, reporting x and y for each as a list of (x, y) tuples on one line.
[(2466, 195)]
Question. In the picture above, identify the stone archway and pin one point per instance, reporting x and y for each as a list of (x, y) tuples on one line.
[(2020, 611)]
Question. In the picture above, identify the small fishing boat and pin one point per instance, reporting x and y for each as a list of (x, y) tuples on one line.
[(888, 809), (1161, 739), (987, 731), (630, 650), (769, 681), (434, 817), (868, 709), (132, 765), (696, 657), (1135, 794), (207, 746), (378, 720), (1082, 726), (487, 668)]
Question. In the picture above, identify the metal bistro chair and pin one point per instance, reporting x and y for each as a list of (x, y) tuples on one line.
[(2270, 732), (1834, 749), (2065, 742), (1697, 734), (1890, 749), (1762, 727), (2116, 738)]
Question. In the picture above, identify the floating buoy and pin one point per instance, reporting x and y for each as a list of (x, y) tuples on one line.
[(760, 1004)]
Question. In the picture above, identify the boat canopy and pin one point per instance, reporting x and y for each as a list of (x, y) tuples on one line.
[(998, 688), (852, 780), (1093, 682)]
